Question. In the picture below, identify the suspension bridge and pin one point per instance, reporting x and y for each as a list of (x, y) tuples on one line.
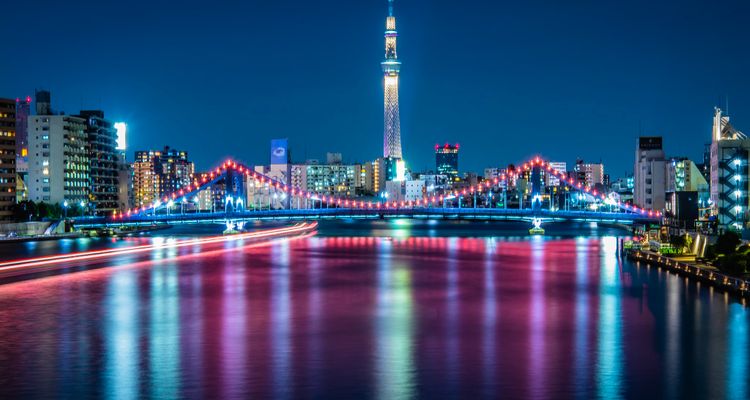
[(249, 195)]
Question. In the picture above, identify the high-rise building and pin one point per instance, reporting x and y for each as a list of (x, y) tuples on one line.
[(146, 180), (23, 110), (391, 68), (159, 173), (175, 170), (729, 173), (446, 160), (374, 176), (104, 162), (649, 173), (7, 158), (58, 159)]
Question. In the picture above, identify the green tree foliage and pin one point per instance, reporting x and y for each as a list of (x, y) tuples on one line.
[(727, 243), (734, 264), (678, 242)]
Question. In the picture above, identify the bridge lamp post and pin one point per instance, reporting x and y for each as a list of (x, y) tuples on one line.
[(170, 204), (182, 205), (156, 204), (197, 201), (238, 204), (83, 208), (65, 209)]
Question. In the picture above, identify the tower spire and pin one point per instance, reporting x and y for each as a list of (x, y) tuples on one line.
[(391, 68)]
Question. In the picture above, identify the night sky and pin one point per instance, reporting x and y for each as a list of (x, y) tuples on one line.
[(506, 80)]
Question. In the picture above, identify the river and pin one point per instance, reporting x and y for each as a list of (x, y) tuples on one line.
[(371, 309)]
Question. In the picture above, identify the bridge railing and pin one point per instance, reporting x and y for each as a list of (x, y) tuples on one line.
[(489, 213)]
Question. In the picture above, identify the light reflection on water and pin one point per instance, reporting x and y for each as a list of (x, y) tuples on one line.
[(392, 317)]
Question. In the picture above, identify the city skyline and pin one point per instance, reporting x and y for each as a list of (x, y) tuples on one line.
[(497, 113)]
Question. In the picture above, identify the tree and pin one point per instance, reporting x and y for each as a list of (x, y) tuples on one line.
[(678, 242), (734, 264), (24, 211), (727, 243)]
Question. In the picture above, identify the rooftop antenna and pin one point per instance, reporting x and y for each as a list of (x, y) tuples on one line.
[(390, 8)]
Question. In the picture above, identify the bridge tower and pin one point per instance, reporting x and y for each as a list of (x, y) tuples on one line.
[(235, 189), (391, 68), (536, 187)]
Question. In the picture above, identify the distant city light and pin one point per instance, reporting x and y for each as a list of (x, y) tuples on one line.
[(122, 130)]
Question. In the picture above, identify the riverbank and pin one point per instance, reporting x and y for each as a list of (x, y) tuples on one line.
[(40, 238), (730, 284)]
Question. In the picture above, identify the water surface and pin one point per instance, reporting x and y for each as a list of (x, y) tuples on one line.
[(380, 309)]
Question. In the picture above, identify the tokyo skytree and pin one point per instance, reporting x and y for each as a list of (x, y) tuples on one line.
[(391, 67)]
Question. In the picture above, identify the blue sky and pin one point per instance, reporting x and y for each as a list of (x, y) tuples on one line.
[(506, 80)]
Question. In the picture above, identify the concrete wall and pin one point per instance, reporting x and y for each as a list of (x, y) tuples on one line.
[(24, 228)]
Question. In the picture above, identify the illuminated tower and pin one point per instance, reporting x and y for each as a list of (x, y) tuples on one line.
[(391, 67)]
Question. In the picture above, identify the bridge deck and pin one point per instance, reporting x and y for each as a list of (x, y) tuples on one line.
[(357, 213)]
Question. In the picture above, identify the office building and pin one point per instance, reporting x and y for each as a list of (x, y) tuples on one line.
[(446, 160), (729, 173), (59, 162), (7, 158), (649, 173)]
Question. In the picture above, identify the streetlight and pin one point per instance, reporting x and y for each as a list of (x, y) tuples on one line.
[(197, 202), (65, 209), (156, 204), (83, 208), (182, 205), (170, 203)]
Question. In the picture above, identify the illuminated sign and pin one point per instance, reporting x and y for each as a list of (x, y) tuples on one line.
[(279, 151), (122, 129), (400, 170)]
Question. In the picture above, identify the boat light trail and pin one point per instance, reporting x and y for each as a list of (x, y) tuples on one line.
[(99, 254)]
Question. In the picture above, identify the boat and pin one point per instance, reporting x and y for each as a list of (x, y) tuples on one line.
[(537, 228), (536, 231), (234, 228)]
